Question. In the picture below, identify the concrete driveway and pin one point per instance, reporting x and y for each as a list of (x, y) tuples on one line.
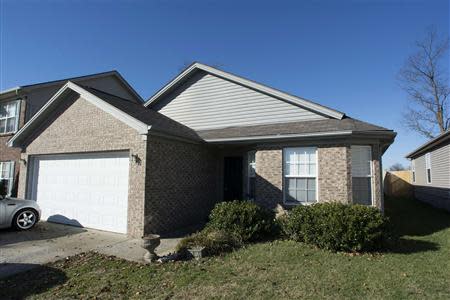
[(48, 242)]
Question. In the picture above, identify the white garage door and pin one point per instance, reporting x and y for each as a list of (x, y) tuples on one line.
[(88, 190)]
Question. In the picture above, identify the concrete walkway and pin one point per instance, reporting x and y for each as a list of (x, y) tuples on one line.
[(48, 242)]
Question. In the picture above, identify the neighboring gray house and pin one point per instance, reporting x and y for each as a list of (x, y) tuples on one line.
[(430, 167), (95, 159)]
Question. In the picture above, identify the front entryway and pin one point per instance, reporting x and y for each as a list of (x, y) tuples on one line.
[(87, 190), (232, 184)]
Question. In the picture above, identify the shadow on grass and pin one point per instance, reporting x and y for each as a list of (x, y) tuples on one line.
[(409, 246), (33, 279), (412, 218)]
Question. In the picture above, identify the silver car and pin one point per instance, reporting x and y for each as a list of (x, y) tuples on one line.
[(18, 213)]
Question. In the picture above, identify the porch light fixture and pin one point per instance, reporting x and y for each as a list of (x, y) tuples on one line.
[(136, 159)]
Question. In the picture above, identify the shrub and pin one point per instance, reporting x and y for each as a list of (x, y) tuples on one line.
[(296, 223), (214, 241), (242, 219), (337, 226)]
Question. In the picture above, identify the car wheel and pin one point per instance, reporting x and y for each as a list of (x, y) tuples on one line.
[(25, 219)]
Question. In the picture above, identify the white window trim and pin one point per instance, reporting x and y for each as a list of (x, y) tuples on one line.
[(428, 167), (11, 179), (248, 172), (302, 176), (372, 183), (17, 116), (413, 170)]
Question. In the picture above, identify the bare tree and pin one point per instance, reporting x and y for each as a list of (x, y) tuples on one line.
[(424, 77), (397, 167)]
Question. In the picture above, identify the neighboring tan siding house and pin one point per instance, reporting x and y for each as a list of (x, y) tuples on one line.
[(430, 167), (207, 136)]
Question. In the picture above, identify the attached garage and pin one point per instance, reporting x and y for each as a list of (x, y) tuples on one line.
[(96, 160), (88, 190)]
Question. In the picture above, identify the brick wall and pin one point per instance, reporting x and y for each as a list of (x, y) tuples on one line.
[(181, 184), (334, 181), (269, 176), (334, 173), (377, 184), (78, 126)]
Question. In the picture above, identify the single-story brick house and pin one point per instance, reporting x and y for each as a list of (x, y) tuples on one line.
[(98, 160), (430, 168)]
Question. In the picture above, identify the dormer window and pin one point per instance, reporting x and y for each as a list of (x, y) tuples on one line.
[(9, 117)]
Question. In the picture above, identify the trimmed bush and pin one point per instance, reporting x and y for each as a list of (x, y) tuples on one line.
[(297, 223), (242, 219), (214, 241), (336, 226)]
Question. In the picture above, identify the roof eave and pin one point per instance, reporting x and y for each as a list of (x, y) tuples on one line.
[(389, 135), (13, 91), (430, 144)]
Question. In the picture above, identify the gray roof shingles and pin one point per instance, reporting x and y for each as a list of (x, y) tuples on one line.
[(303, 127), (159, 122)]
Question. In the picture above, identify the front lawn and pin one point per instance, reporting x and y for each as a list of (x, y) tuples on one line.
[(418, 267)]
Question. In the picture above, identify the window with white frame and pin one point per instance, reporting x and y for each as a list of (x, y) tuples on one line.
[(413, 169), (251, 171), (7, 175), (300, 175), (9, 117), (428, 166), (362, 174)]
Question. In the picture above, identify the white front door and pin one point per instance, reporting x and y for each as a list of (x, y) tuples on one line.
[(88, 190)]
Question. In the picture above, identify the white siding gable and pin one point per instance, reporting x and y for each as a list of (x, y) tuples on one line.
[(206, 101)]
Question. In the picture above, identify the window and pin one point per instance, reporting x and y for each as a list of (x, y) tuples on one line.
[(9, 117), (428, 166), (362, 174), (251, 171), (300, 175), (413, 169), (7, 174)]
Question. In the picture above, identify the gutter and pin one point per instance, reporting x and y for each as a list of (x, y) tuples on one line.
[(302, 135), (276, 137), (14, 89), (430, 144)]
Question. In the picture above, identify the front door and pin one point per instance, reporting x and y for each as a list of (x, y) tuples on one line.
[(232, 184)]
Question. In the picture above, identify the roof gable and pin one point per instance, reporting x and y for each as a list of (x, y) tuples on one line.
[(135, 115), (79, 79), (68, 88), (282, 96)]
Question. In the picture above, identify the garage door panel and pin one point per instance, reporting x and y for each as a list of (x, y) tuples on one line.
[(83, 190)]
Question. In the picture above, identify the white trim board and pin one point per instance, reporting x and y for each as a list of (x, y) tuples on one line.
[(247, 83)]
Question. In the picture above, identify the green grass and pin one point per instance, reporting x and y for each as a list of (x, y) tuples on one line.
[(418, 266)]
